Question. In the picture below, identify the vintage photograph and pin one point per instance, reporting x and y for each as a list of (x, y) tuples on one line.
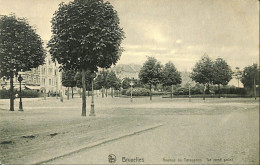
[(129, 82)]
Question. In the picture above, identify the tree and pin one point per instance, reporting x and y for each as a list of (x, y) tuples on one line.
[(151, 73), (222, 73), (89, 76), (170, 76), (203, 72), (101, 81), (112, 82), (20, 49), (68, 80), (237, 74), (250, 77), (86, 35), (126, 83)]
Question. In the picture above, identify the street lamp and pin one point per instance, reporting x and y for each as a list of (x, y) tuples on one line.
[(92, 111), (20, 79), (131, 84)]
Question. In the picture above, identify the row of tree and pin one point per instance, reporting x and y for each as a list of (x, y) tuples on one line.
[(206, 72), (101, 81), (85, 36), (153, 73)]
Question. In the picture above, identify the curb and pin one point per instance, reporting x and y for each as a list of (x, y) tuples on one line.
[(98, 143)]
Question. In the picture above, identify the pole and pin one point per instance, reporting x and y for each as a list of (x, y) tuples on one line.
[(92, 111), (204, 92), (56, 88), (172, 92), (20, 103), (131, 94), (45, 93), (189, 95), (254, 89), (11, 92), (150, 91), (61, 97), (83, 93)]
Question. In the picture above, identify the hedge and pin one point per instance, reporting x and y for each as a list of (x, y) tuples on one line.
[(138, 92), (5, 94)]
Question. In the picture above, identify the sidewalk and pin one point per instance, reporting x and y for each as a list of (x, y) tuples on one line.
[(41, 132)]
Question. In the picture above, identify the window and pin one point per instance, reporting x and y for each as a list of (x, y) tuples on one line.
[(43, 70), (49, 81), (50, 71)]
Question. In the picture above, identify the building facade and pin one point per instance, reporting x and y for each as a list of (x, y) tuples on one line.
[(46, 76)]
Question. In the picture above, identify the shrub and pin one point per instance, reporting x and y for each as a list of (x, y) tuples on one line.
[(138, 92), (29, 94), (5, 94), (196, 90), (231, 90), (123, 91), (181, 91)]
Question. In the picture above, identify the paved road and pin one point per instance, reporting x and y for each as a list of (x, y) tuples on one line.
[(230, 138)]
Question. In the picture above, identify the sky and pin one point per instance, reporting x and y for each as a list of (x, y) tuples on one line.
[(180, 31)]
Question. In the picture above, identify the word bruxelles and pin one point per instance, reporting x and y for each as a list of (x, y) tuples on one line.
[(137, 159)]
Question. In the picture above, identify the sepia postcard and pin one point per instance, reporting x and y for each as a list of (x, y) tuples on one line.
[(129, 82)]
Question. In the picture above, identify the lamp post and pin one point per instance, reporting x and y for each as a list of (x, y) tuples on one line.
[(20, 79), (131, 84), (189, 94), (92, 111)]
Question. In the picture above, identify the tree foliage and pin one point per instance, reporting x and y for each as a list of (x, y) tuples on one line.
[(249, 75), (126, 83), (101, 79), (203, 72), (20, 47), (170, 75), (89, 76), (222, 72), (68, 78), (86, 34), (151, 72), (113, 81), (237, 74)]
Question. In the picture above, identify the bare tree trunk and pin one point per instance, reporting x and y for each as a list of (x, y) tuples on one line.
[(44, 93), (83, 93), (102, 90), (218, 91), (106, 92), (150, 91), (172, 92), (68, 93), (92, 111), (72, 92), (112, 92), (11, 92), (204, 90)]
